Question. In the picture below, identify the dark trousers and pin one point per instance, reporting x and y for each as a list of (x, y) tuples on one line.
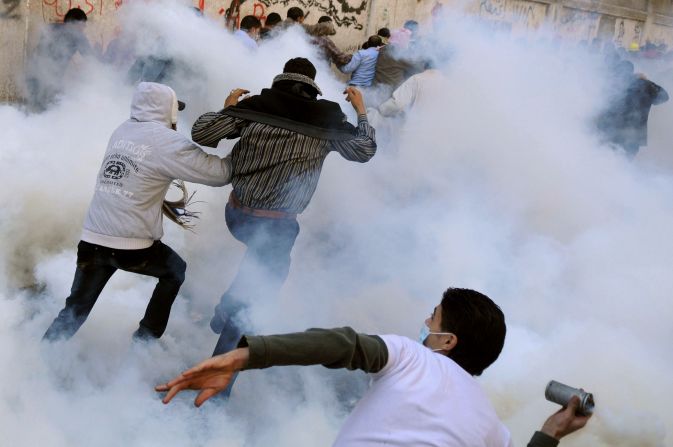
[(96, 265), (262, 272)]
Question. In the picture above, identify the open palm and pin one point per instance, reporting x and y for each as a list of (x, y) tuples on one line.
[(210, 376)]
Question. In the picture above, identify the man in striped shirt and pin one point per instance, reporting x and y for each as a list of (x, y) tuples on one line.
[(285, 134)]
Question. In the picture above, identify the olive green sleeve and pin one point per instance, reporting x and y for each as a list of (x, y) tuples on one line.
[(332, 348), (540, 439)]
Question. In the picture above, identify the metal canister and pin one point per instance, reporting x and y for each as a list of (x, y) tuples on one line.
[(559, 393)]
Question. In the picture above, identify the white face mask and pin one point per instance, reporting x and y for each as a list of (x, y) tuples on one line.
[(425, 333)]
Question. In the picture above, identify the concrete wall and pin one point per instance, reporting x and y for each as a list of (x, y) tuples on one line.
[(622, 21)]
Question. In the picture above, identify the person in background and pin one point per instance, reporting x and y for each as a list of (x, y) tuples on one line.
[(398, 60), (285, 135), (363, 63), (384, 34), (123, 226), (271, 22), (296, 16), (248, 33), (418, 89), (624, 124), (328, 47), (47, 65), (423, 392)]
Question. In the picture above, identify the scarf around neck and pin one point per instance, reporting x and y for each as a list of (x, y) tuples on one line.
[(290, 106)]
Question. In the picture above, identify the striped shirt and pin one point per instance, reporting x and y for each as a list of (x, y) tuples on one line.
[(275, 168)]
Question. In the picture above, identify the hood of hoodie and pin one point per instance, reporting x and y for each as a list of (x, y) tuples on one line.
[(153, 102)]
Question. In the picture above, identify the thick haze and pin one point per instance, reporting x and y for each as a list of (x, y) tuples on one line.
[(497, 183)]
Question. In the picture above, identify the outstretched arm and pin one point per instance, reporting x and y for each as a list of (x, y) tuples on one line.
[(212, 127), (332, 348), (558, 425)]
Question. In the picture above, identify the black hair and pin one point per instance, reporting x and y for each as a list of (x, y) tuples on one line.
[(384, 32), (272, 19), (374, 41), (479, 325), (324, 19), (250, 22), (295, 13), (75, 15), (300, 65)]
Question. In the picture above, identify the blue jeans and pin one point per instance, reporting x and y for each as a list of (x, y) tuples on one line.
[(96, 265), (262, 272)]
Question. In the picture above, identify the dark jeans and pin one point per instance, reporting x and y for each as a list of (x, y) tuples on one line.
[(96, 265), (261, 274)]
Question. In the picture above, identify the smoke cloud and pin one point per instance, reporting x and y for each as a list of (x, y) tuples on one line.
[(498, 183)]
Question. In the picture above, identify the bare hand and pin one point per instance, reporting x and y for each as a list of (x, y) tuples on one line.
[(234, 96), (565, 421), (210, 376), (354, 96)]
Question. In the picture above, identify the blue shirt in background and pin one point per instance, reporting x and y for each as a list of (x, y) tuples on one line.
[(363, 67)]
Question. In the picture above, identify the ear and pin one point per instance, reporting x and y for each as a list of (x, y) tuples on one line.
[(449, 342)]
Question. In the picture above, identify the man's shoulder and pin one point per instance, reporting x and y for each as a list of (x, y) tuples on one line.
[(400, 344), (331, 105)]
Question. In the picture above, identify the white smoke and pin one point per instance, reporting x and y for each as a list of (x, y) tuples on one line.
[(498, 184)]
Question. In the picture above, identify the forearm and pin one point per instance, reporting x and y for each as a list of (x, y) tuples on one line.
[(361, 148), (340, 58), (390, 108), (332, 348), (352, 65), (197, 166), (212, 127), (541, 439)]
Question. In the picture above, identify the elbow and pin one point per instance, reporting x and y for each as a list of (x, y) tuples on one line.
[(203, 141), (368, 154)]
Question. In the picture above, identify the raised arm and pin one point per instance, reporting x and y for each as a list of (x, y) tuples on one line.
[(212, 127), (363, 147), (332, 348)]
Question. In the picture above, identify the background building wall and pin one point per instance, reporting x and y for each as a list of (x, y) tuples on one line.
[(623, 22)]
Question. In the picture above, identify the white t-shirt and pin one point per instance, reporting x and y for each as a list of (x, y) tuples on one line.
[(422, 398)]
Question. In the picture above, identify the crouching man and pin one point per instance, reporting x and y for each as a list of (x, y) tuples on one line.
[(123, 226), (423, 393)]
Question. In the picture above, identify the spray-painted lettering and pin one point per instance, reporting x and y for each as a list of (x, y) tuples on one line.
[(9, 9), (345, 13)]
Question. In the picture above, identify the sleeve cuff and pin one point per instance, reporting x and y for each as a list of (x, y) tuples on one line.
[(540, 439), (257, 348)]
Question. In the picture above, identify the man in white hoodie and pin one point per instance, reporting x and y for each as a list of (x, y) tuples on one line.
[(123, 226)]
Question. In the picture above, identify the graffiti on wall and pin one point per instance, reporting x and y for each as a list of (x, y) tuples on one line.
[(344, 13), (517, 13), (628, 32), (54, 10), (577, 25), (9, 9)]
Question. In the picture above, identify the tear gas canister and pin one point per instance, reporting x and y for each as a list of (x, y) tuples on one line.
[(559, 393)]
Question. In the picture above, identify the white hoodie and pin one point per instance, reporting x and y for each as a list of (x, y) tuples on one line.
[(143, 157)]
